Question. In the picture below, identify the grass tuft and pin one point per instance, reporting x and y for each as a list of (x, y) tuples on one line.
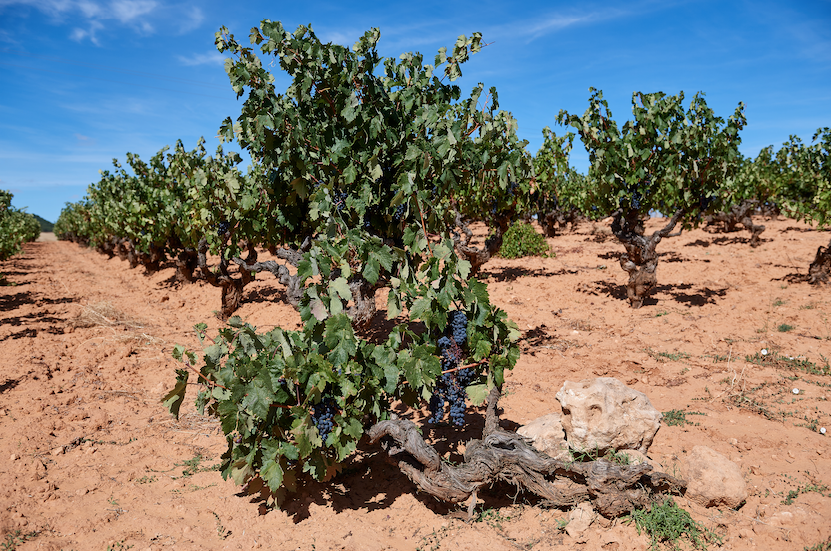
[(668, 524)]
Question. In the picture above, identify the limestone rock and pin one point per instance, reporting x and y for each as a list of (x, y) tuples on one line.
[(579, 519), (604, 414), (713, 480), (547, 436)]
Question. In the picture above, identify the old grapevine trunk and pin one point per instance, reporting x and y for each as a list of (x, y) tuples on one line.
[(820, 269), (232, 288), (739, 214), (478, 256), (613, 489), (640, 260)]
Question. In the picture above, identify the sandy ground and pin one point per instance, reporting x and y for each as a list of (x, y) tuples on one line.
[(91, 460), (46, 236)]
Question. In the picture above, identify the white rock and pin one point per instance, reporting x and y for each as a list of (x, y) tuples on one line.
[(713, 480), (579, 519), (547, 436), (604, 414)]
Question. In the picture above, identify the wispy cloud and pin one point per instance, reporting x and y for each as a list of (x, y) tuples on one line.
[(128, 11), (89, 16), (193, 18), (79, 35), (210, 58)]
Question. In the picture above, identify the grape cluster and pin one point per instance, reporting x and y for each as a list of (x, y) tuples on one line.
[(339, 198), (323, 415), (451, 387), (458, 326), (399, 212), (222, 228)]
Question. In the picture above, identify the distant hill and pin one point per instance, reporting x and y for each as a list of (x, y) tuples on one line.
[(45, 225)]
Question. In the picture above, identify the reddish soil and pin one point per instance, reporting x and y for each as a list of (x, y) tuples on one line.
[(91, 459)]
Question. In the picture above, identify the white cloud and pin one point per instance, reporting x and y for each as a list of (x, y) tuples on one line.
[(193, 18), (89, 9), (210, 58), (79, 34), (128, 10), (553, 24), (89, 15)]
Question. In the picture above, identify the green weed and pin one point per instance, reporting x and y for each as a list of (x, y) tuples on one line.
[(775, 359), (784, 328), (821, 546), (492, 517), (821, 489), (522, 239), (193, 466), (17, 538), (671, 356), (666, 523), (677, 417)]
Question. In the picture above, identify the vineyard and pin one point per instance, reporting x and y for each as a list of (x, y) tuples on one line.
[(339, 333)]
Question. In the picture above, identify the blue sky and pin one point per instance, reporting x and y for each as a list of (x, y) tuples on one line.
[(84, 81)]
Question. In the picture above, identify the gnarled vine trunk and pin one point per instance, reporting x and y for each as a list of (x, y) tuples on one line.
[(478, 256), (820, 269), (640, 260), (187, 261), (613, 489), (294, 288), (553, 220), (739, 214), (232, 288)]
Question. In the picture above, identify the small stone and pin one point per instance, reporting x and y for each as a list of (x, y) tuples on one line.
[(579, 519), (547, 436), (13, 457), (58, 451), (713, 479)]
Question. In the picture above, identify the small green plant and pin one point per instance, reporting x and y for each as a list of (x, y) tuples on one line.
[(522, 239), (821, 489), (220, 529), (659, 314), (784, 328), (778, 302), (667, 523), (810, 424), (16, 538), (821, 546), (562, 523), (671, 356), (119, 546), (492, 517), (613, 456), (775, 359), (193, 466), (147, 479), (621, 458), (677, 417)]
